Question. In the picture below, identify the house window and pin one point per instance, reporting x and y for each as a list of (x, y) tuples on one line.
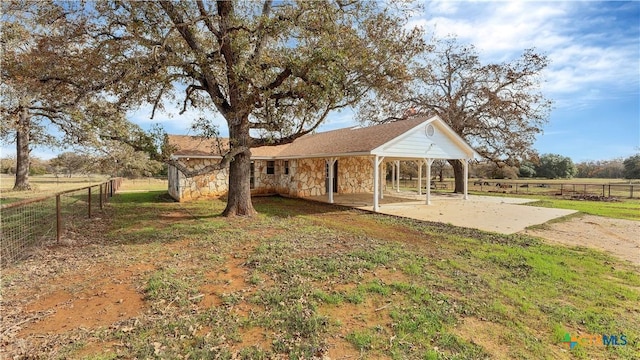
[(286, 167), (252, 178), (271, 167)]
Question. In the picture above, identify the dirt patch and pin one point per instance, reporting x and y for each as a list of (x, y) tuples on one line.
[(353, 317), (99, 303), (339, 348), (486, 334), (616, 236), (229, 278), (258, 337)]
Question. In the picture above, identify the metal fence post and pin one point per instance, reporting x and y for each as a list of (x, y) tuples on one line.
[(58, 219), (630, 191)]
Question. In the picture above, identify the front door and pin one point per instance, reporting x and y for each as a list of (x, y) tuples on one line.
[(335, 177)]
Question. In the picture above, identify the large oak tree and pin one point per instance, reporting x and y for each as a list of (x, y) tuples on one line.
[(497, 107), (273, 70), (52, 89)]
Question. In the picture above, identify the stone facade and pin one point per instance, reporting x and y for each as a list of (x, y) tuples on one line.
[(293, 177), (355, 175), (211, 185)]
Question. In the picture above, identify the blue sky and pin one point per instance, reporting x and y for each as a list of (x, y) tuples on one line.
[(593, 78), (594, 75)]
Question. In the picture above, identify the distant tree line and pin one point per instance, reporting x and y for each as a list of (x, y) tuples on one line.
[(70, 164), (555, 166), (551, 166)]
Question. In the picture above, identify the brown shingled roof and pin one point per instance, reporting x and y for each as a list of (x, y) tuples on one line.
[(336, 142), (350, 140), (187, 145)]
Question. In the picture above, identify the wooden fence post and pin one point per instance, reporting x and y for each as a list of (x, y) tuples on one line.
[(89, 202), (58, 219), (100, 196)]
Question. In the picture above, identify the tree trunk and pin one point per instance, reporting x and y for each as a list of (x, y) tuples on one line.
[(239, 196), (22, 152), (458, 174)]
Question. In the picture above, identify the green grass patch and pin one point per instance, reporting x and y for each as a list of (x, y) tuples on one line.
[(169, 287), (361, 340), (627, 209)]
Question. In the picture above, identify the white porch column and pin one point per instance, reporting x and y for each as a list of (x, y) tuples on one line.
[(428, 162), (383, 180), (398, 176), (419, 177), (376, 181), (330, 162), (466, 178), (393, 176)]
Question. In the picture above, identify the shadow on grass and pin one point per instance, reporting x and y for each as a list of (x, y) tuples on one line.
[(148, 217), (278, 206), (147, 211), (147, 197)]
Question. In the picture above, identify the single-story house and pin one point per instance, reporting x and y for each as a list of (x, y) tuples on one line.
[(350, 160)]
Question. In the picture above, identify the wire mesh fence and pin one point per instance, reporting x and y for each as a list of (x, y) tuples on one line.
[(578, 190), (33, 222)]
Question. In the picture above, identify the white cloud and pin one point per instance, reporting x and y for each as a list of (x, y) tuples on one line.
[(444, 7), (496, 27), (588, 59)]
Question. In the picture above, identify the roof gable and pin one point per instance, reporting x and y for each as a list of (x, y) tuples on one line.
[(441, 142)]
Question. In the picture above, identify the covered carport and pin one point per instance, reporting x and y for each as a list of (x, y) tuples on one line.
[(430, 140)]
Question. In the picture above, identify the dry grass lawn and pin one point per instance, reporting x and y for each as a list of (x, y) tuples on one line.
[(308, 280)]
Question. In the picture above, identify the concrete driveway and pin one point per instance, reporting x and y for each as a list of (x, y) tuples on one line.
[(498, 214)]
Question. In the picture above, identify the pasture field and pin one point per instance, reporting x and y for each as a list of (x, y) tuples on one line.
[(628, 209), (308, 280), (623, 208), (44, 185), (618, 188), (144, 184)]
